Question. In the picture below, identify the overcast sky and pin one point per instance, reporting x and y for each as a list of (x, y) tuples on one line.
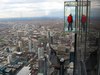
[(35, 8)]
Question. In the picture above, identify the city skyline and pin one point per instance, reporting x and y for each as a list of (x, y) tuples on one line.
[(38, 8)]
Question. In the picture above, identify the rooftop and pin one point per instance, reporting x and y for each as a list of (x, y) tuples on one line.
[(24, 71)]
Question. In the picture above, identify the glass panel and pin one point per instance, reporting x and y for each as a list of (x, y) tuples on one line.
[(83, 15), (81, 12), (69, 16)]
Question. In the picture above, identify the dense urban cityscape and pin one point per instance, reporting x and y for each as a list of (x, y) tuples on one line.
[(49, 38), (27, 46)]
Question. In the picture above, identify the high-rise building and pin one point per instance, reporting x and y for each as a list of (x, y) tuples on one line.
[(9, 58), (40, 52), (30, 45)]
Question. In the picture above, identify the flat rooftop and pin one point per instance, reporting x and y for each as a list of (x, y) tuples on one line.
[(24, 71)]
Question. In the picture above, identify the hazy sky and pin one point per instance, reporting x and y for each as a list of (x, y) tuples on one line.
[(35, 8)]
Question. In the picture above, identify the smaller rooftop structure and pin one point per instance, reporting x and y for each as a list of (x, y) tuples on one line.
[(24, 71)]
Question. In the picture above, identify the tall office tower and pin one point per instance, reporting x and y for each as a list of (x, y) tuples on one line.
[(50, 36), (9, 58), (40, 52), (19, 43), (30, 45)]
